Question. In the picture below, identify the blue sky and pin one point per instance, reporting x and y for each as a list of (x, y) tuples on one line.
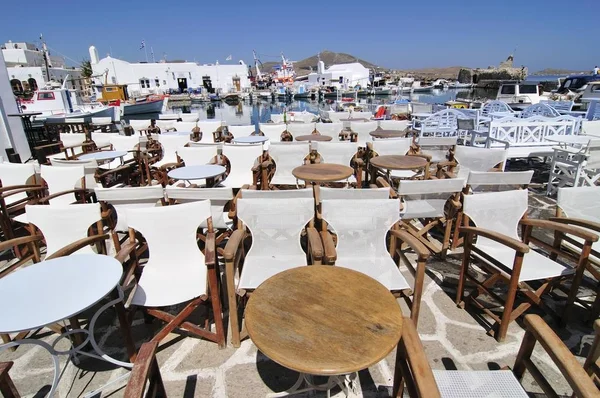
[(395, 34)]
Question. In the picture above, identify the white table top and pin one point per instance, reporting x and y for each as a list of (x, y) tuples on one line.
[(251, 139), (53, 290), (103, 155), (196, 172), (569, 139)]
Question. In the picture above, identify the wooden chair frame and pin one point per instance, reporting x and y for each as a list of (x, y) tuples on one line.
[(145, 375)]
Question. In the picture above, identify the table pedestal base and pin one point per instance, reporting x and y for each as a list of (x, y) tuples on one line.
[(348, 383)]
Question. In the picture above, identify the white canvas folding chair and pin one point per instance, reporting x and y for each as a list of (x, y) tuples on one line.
[(283, 158), (398, 125), (296, 129), (15, 176), (198, 155), (139, 125), (468, 158), (166, 125), (424, 209), (361, 226), (362, 130), (208, 129), (302, 193), (177, 271), (344, 153), (72, 144), (272, 131), (184, 127), (275, 226), (63, 182), (491, 181), (170, 144), (189, 117), (242, 131), (507, 258), (219, 197), (90, 167), (102, 140), (243, 161), (125, 143), (332, 130)]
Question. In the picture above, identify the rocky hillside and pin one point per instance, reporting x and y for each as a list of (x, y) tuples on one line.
[(329, 57), (552, 71)]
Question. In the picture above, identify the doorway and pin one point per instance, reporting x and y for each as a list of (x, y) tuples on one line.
[(182, 83)]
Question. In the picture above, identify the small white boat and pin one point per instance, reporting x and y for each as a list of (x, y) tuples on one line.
[(418, 88)]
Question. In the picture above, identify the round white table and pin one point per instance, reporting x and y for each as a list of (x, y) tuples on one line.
[(54, 290), (196, 172), (103, 155), (250, 139)]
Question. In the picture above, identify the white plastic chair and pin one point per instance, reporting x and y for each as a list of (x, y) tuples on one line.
[(184, 127), (218, 197), (189, 117), (287, 156), (296, 129), (198, 155), (272, 131), (242, 159), (362, 130), (15, 174), (241, 131), (61, 179), (339, 153), (170, 144), (63, 225), (332, 130), (398, 125)]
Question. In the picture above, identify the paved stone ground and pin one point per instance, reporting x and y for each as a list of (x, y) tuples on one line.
[(452, 337)]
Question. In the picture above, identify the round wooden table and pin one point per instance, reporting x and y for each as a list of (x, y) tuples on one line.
[(322, 172), (387, 134), (313, 137), (398, 162), (323, 320)]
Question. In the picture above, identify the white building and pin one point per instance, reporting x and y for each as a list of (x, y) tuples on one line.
[(340, 76), (160, 77), (27, 70)]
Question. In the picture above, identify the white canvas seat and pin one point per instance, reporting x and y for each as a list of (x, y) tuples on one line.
[(169, 144), (198, 155), (272, 131), (436, 147), (361, 227), (327, 193), (296, 129), (60, 179), (217, 145), (15, 174), (139, 125), (189, 117), (90, 167), (287, 156), (184, 127), (302, 193), (62, 225), (218, 197), (102, 140), (398, 125), (481, 181), (582, 203), (104, 120), (332, 130), (362, 130), (242, 131), (207, 128), (169, 116), (339, 153), (166, 125), (477, 159), (242, 159), (124, 143)]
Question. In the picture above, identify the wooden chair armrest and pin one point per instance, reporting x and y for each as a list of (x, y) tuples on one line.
[(47, 198), (579, 222), (370, 146), (314, 243), (422, 252), (125, 251), (446, 163), (59, 144), (115, 170), (210, 252), (81, 243), (569, 367), (168, 166), (329, 252), (9, 244), (233, 244), (411, 351), (567, 229), (20, 187), (266, 164), (142, 369), (498, 237), (31, 188), (382, 183)]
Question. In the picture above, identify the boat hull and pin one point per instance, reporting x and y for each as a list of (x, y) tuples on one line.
[(143, 107)]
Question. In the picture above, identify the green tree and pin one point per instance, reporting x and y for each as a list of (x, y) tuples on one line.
[(86, 68)]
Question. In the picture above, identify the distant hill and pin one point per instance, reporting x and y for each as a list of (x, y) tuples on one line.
[(450, 72), (552, 71), (328, 57)]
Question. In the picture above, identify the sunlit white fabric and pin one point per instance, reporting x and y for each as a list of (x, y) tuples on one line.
[(398, 125), (280, 194), (332, 130), (197, 156), (338, 153), (189, 117), (427, 198), (341, 193), (126, 198), (241, 159), (436, 147), (124, 143), (184, 127), (15, 174), (477, 159), (60, 179), (392, 146), (362, 130), (165, 125), (272, 131), (296, 129), (139, 125), (481, 181), (72, 139), (169, 144), (287, 156), (241, 131), (583, 203), (275, 225), (90, 167), (218, 197)]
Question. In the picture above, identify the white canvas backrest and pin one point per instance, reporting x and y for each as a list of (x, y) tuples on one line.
[(337, 152), (539, 110), (169, 116), (427, 198), (275, 224), (189, 117), (218, 197), (436, 147), (175, 271), (495, 106), (184, 127), (306, 117), (165, 125), (217, 145), (276, 117), (287, 156), (138, 125), (361, 225), (580, 202), (398, 125), (208, 127), (241, 159), (481, 181), (62, 225), (15, 174), (279, 194), (478, 159), (101, 120), (72, 139), (242, 131), (296, 129), (392, 146), (197, 156), (593, 155), (336, 117), (90, 167), (362, 129), (170, 143), (124, 143), (102, 139), (126, 198), (326, 193), (591, 127), (272, 131), (362, 115), (498, 212), (332, 130), (60, 179)]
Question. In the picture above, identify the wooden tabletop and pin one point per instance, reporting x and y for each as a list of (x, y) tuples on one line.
[(387, 133), (313, 137), (398, 162), (324, 320), (322, 172)]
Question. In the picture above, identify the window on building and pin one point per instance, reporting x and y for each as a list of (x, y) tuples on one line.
[(145, 83), (156, 82), (45, 96), (16, 85), (32, 83)]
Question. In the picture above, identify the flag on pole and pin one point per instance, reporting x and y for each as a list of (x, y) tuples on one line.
[(143, 45), (228, 58)]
